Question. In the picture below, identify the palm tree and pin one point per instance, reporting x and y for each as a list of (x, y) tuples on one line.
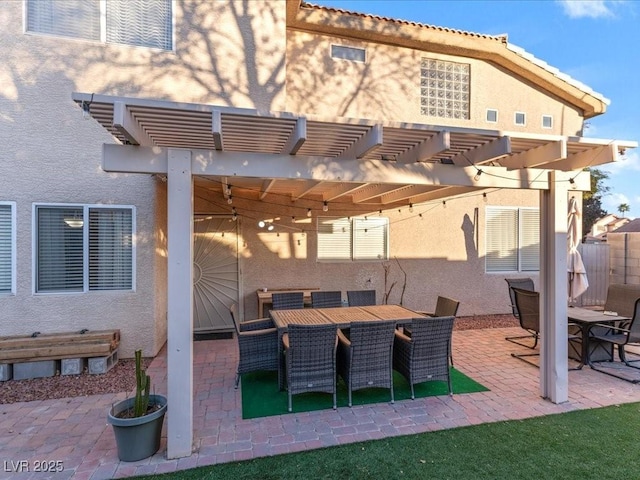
[(622, 208)]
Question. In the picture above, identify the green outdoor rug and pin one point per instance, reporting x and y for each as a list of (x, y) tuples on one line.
[(261, 397)]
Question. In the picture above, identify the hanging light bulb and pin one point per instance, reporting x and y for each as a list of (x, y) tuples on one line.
[(261, 224), (234, 214), (270, 227), (293, 219), (227, 191), (308, 212), (484, 197), (444, 203), (325, 206), (411, 207), (477, 176), (230, 200)]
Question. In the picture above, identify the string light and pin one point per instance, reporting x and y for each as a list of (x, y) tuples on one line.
[(308, 212), (234, 214), (230, 200), (270, 227), (478, 173), (293, 219), (411, 207), (325, 206), (484, 197), (261, 224), (572, 181), (444, 203)]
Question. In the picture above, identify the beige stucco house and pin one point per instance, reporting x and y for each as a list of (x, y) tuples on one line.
[(164, 162)]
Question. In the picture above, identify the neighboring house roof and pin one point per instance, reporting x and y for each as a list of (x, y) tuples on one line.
[(493, 48), (630, 227)]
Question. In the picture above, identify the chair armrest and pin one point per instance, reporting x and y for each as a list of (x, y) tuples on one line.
[(402, 337), (342, 338), (610, 327), (258, 324), (257, 333)]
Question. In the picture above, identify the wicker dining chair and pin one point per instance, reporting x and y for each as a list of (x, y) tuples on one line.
[(534, 333), (287, 300), (324, 299), (365, 359), (425, 355), (359, 298), (257, 344), (445, 307), (310, 359)]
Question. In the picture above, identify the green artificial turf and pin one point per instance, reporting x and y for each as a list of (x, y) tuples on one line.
[(261, 397), (597, 444)]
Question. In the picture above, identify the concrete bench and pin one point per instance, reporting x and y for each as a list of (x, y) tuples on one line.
[(42, 355)]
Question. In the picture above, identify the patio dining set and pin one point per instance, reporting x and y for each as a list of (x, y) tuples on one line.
[(362, 342), (592, 333)]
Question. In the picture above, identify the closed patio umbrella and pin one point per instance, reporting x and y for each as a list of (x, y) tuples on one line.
[(578, 282)]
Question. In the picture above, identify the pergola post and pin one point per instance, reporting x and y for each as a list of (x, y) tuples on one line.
[(554, 376), (180, 304)]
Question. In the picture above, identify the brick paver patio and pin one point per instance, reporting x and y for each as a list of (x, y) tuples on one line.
[(74, 432)]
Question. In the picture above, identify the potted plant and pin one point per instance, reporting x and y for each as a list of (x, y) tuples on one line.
[(137, 421)]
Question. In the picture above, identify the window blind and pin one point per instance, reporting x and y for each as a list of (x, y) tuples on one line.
[(71, 18), (110, 249), (334, 239), (502, 240), (529, 240), (6, 248), (370, 239), (146, 23), (59, 250)]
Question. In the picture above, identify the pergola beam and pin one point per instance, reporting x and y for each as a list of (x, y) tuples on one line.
[(125, 124), (131, 159), (426, 149), (492, 150), (365, 144), (297, 138), (587, 158), (549, 152)]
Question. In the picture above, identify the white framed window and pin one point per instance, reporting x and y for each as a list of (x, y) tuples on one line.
[(353, 239), (143, 23), (81, 248), (520, 118), (547, 121), (7, 248), (512, 239), (492, 115), (344, 52)]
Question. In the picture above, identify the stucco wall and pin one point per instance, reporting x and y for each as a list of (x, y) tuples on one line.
[(387, 86), (441, 252), (228, 54)]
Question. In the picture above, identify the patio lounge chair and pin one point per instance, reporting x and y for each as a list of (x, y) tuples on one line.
[(310, 359), (324, 299), (627, 334), (425, 355), (534, 333), (287, 300), (257, 344), (365, 359), (358, 298)]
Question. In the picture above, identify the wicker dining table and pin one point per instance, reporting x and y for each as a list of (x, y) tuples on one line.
[(342, 317)]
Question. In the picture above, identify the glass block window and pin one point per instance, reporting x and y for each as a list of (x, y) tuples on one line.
[(144, 23), (348, 53), (547, 121), (445, 89), (84, 248), (353, 239)]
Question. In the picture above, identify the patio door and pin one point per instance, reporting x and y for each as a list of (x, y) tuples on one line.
[(215, 272)]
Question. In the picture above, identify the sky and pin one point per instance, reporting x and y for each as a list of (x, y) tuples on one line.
[(596, 42)]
